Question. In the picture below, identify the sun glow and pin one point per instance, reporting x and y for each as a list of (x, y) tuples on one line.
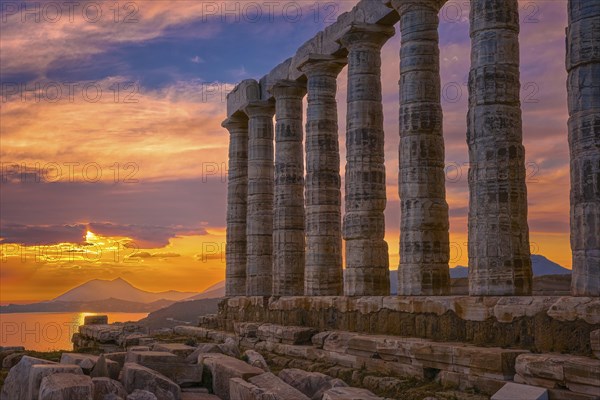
[(90, 237)]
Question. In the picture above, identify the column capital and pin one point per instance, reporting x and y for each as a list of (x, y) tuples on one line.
[(404, 6), (233, 123), (288, 88), (261, 108), (322, 64), (362, 34)]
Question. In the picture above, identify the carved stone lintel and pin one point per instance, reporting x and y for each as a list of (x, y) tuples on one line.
[(359, 35), (322, 65)]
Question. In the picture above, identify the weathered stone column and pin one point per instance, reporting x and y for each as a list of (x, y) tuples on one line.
[(367, 261), (499, 255), (259, 230), (237, 191), (323, 275), (424, 224), (288, 222), (583, 65)]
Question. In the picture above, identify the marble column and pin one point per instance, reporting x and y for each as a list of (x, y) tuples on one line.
[(583, 65), (323, 275), (499, 255), (259, 229), (288, 221), (367, 261), (237, 191), (424, 224)]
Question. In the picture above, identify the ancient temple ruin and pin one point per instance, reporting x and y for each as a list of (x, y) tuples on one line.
[(284, 223)]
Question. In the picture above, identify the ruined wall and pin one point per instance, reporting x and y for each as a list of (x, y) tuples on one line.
[(538, 324)]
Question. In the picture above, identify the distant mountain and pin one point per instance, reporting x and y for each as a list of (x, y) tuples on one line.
[(459, 272), (214, 292), (106, 305), (540, 266), (99, 289)]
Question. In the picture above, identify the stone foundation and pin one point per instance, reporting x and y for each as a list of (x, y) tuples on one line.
[(537, 324)]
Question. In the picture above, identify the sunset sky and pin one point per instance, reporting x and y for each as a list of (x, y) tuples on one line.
[(114, 160)]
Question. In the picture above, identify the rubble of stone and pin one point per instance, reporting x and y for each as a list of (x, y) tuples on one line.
[(220, 370)]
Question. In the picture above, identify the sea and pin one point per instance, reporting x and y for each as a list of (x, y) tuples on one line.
[(49, 331)]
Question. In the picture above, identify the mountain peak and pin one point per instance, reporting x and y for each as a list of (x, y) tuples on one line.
[(118, 288)]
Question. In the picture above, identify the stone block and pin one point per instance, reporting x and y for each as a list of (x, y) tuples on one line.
[(38, 372), (349, 393), (514, 391), (499, 361), (595, 342), (510, 308), (581, 370), (278, 387), (135, 376), (244, 93), (11, 360), (87, 362), (319, 339), (105, 386), (179, 349), (138, 348), (168, 364), (95, 320), (239, 389), (62, 386), (560, 394), (255, 359), (222, 368), (279, 72), (202, 349), (118, 357), (101, 333), (549, 367), (567, 308), (141, 395), (338, 341), (246, 329), (230, 347), (193, 331), (16, 384), (198, 396), (579, 374), (475, 308), (312, 384), (285, 334)]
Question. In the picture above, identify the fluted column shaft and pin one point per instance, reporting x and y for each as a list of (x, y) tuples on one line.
[(259, 230), (288, 222), (323, 274), (583, 65), (499, 254), (424, 224), (237, 190), (367, 261)]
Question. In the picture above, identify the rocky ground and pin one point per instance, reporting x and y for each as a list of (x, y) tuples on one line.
[(175, 367), (262, 361)]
